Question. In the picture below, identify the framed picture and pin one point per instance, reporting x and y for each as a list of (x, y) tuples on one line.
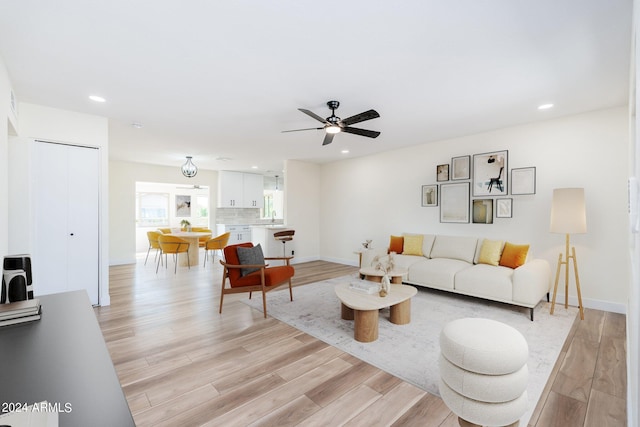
[(454, 202), (523, 180), (503, 208), (490, 173), (460, 168), (430, 195), (183, 206), (442, 173), (482, 211)]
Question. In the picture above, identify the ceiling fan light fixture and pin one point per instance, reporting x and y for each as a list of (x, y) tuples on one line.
[(333, 129), (189, 169)]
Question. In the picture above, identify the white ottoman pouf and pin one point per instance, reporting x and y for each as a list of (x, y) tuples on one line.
[(483, 371)]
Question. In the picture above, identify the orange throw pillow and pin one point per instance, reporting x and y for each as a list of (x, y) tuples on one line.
[(513, 256), (396, 244)]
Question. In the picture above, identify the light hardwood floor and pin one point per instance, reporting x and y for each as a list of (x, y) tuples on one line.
[(181, 363)]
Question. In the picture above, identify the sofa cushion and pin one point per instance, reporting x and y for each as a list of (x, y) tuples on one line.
[(437, 272), (454, 247), (406, 261), (514, 256), (490, 252), (413, 245), (486, 281), (396, 243)]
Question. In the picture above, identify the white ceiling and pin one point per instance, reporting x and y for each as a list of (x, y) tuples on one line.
[(223, 78)]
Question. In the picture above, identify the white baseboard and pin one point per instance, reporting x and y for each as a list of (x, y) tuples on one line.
[(122, 261), (340, 261), (613, 307)]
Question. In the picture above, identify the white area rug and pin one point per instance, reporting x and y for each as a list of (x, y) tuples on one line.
[(411, 351)]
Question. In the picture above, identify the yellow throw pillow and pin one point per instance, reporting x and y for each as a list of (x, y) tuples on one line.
[(514, 256), (490, 252), (396, 244), (413, 245)]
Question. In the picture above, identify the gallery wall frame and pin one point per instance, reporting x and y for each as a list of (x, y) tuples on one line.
[(183, 206), (460, 168), (523, 180), (504, 208), (490, 173), (454, 202), (430, 195), (482, 211), (442, 172)]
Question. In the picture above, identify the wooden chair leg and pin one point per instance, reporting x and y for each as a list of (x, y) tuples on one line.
[(290, 291), (264, 303)]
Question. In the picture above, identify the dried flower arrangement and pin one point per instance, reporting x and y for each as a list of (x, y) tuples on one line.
[(384, 265)]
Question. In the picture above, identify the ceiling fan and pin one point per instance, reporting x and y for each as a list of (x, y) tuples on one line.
[(334, 124)]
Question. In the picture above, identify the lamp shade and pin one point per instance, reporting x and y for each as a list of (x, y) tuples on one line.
[(189, 169), (568, 214)]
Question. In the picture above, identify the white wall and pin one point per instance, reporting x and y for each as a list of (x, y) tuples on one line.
[(379, 195), (302, 208), (633, 312), (5, 114), (51, 124), (122, 187)]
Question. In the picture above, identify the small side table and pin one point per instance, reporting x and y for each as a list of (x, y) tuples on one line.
[(374, 275)]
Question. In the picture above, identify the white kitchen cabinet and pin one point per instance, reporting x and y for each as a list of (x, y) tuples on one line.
[(239, 233), (252, 190), (240, 190)]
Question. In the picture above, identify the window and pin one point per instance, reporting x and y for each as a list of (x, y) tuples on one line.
[(152, 209)]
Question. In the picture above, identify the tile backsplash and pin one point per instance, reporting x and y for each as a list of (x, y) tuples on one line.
[(241, 216)]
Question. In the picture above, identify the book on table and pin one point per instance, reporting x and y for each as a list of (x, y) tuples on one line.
[(365, 286), (19, 311)]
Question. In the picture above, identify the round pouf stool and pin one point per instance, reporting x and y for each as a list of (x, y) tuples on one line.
[(483, 372)]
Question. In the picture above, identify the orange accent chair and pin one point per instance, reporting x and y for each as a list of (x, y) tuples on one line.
[(153, 244), (263, 279), (172, 245), (216, 244)]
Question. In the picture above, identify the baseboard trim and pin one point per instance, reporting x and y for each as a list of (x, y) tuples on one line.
[(613, 307)]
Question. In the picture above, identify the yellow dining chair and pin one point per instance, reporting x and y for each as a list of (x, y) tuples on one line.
[(164, 230), (172, 245), (153, 244), (202, 240), (216, 244)]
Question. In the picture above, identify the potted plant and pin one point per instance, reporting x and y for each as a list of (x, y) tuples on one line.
[(186, 225)]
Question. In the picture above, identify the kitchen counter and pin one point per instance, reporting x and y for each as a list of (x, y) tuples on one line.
[(263, 234)]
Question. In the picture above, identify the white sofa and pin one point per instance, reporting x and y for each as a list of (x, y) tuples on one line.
[(450, 263)]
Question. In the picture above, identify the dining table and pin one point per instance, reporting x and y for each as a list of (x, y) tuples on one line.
[(191, 257)]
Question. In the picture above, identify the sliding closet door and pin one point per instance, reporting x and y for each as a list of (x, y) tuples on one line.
[(66, 212)]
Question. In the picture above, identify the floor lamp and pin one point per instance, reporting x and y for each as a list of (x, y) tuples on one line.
[(568, 216)]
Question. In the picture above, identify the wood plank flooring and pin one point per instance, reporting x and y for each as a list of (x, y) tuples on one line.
[(181, 363)]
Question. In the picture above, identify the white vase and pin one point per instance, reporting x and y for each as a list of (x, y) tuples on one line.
[(385, 285)]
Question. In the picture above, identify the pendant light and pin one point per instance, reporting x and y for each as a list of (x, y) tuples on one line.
[(189, 169)]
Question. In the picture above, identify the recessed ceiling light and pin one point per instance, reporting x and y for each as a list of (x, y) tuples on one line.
[(137, 125), (545, 106), (254, 167), (345, 151), (97, 98), (223, 159)]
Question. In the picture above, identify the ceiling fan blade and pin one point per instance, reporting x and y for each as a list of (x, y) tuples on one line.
[(361, 132), (314, 115), (298, 130), (367, 115), (328, 138)]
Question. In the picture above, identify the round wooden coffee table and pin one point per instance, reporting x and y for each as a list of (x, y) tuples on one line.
[(370, 273), (363, 308)]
